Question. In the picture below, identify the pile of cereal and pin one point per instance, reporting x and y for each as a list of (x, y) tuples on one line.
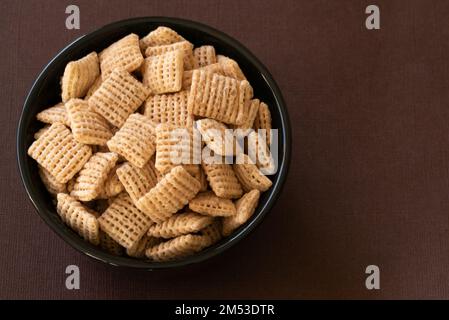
[(107, 150)]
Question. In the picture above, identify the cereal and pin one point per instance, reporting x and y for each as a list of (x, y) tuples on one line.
[(51, 184), (263, 120), (184, 46), (158, 37), (245, 96), (218, 137), (93, 176), (222, 180), (79, 76), (163, 73), (187, 76), (212, 233), (57, 113), (117, 97), (250, 176), (169, 108), (245, 208), (138, 250), (123, 222), (124, 54), (110, 245), (112, 186), (170, 194), (135, 140), (59, 153), (230, 68), (88, 127), (41, 131), (250, 114), (179, 224), (78, 217), (137, 181), (209, 204), (204, 56), (97, 83), (176, 248)]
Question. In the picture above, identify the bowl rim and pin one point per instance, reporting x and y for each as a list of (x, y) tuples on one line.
[(231, 240)]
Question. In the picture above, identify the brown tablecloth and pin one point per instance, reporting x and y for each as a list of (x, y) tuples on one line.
[(369, 180)]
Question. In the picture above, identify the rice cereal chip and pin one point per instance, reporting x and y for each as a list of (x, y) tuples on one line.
[(160, 36), (176, 248), (222, 180), (137, 181), (51, 184), (169, 108), (59, 153), (110, 245), (187, 76), (57, 113), (204, 56), (263, 120), (97, 83), (250, 176), (112, 186), (179, 224), (218, 137), (138, 250), (209, 204), (184, 46), (163, 73), (245, 208), (230, 67)]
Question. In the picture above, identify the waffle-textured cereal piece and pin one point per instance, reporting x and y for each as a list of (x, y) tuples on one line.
[(78, 217), (175, 146), (138, 250), (163, 73), (222, 180), (123, 222), (135, 140), (41, 131), (250, 176), (212, 233), (187, 77), (51, 184), (110, 245), (215, 96), (259, 150), (245, 207), (230, 67), (79, 76), (88, 127), (250, 114), (176, 248), (59, 153), (209, 204), (245, 95), (57, 113), (203, 180), (158, 37), (169, 108), (218, 137), (137, 181), (263, 120), (97, 83), (204, 56), (118, 96), (170, 194), (124, 54), (112, 186), (93, 175), (179, 224), (184, 46)]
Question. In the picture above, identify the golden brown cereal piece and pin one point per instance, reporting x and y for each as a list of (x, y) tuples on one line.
[(169, 108), (175, 146), (124, 54), (250, 176), (249, 116), (204, 56), (212, 233), (97, 83), (135, 140), (57, 113), (137, 181), (93, 175), (184, 46), (171, 194), (118, 96), (78, 217), (41, 131), (70, 184), (88, 127), (259, 150), (209, 204), (223, 181), (230, 68), (218, 137), (59, 153), (263, 120), (163, 73), (215, 96), (138, 250), (158, 37), (203, 180), (187, 77), (78, 76), (112, 186), (179, 224), (123, 222), (176, 248), (51, 184), (110, 245), (245, 96), (245, 208)]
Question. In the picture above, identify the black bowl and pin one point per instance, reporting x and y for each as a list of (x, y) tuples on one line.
[(45, 91)]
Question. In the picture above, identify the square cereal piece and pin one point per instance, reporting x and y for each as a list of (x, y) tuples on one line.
[(185, 46), (57, 113), (93, 175), (118, 96), (177, 248), (124, 54), (79, 76), (137, 181), (59, 153), (187, 77), (163, 73), (50, 182), (169, 108), (88, 127), (230, 67), (123, 222), (135, 140), (204, 56), (158, 37)]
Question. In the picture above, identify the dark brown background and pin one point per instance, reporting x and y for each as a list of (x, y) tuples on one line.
[(369, 180)]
